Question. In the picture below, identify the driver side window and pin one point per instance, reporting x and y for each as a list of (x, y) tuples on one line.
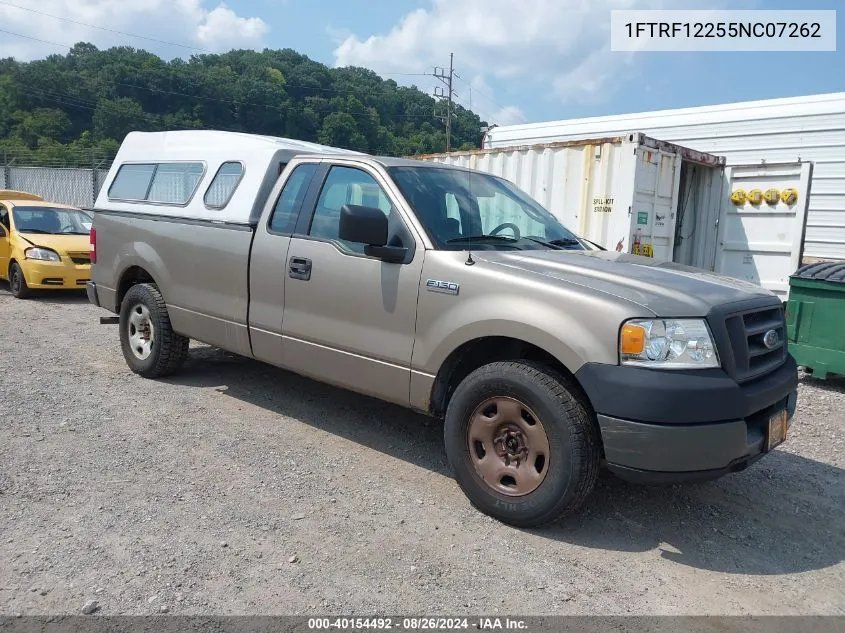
[(345, 185), (4, 219), (499, 209)]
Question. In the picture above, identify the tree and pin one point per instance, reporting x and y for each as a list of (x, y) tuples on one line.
[(340, 130), (116, 118), (47, 123), (92, 98)]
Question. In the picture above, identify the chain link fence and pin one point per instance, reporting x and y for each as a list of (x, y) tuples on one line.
[(54, 181)]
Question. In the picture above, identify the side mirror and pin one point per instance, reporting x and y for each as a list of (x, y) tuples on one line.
[(368, 226)]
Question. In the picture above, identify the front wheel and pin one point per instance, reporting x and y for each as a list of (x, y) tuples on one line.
[(522, 445), (17, 282), (150, 346)]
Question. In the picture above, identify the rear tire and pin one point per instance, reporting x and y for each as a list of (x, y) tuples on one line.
[(150, 346), (522, 409), (17, 282)]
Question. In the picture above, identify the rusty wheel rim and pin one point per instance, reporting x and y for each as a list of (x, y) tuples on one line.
[(508, 446)]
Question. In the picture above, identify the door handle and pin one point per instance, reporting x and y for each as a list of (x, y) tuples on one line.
[(299, 268)]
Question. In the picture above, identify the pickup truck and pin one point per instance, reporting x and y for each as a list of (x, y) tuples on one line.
[(450, 292)]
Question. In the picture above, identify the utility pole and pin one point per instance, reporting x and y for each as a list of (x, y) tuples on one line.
[(440, 73)]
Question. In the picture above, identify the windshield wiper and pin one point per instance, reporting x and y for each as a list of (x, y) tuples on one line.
[(551, 244), (479, 238), (565, 241), (35, 231)]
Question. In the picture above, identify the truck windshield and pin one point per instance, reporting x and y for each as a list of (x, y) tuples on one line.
[(461, 208), (51, 220)]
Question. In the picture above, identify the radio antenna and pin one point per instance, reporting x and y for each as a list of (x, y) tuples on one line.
[(470, 261)]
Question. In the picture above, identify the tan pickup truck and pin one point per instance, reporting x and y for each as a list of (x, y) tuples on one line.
[(447, 291)]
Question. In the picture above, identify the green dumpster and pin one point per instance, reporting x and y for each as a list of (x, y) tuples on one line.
[(815, 318)]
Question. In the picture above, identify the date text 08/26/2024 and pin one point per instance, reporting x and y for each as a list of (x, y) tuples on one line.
[(416, 623)]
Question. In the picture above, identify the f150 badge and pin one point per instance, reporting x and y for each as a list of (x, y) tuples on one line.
[(447, 287)]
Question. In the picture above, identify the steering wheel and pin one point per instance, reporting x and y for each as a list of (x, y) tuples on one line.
[(507, 225)]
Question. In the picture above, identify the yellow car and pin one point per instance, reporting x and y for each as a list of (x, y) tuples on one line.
[(43, 245)]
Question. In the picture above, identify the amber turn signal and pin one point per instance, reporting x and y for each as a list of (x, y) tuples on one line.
[(632, 339)]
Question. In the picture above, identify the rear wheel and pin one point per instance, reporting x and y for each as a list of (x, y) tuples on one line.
[(17, 282), (150, 346), (522, 445)]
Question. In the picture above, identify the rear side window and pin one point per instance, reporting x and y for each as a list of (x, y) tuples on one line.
[(290, 200), (175, 183), (132, 182), (223, 186), (162, 183)]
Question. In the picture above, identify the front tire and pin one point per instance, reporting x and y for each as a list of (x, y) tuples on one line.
[(150, 346), (17, 282), (522, 444)]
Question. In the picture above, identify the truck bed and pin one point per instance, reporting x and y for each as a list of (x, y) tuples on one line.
[(202, 269)]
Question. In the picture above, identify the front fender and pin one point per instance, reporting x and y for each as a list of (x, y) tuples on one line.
[(573, 342)]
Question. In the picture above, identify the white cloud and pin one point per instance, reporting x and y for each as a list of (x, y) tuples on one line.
[(561, 47), (222, 28), (192, 23), (508, 116)]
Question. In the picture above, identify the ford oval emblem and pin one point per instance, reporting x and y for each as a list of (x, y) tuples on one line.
[(771, 339)]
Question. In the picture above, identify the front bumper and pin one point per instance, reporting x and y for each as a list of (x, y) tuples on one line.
[(667, 426), (44, 275)]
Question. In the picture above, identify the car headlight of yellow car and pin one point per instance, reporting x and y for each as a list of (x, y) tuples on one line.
[(43, 254)]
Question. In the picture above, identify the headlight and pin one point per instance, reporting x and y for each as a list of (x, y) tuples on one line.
[(667, 344), (44, 254)]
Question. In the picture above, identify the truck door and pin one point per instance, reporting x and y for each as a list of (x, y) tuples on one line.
[(350, 319), (760, 235), (268, 257)]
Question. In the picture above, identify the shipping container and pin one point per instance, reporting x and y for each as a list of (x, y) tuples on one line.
[(807, 129), (636, 194)]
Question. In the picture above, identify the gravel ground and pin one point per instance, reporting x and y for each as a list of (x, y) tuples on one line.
[(236, 488)]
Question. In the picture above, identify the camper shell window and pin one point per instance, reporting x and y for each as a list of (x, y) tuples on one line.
[(223, 185), (171, 183)]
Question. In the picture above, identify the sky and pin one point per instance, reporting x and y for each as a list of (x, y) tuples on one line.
[(517, 61)]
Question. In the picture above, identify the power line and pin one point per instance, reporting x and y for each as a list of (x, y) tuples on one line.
[(401, 74), (489, 98), (61, 99), (103, 28), (36, 39), (78, 102), (236, 103), (145, 37)]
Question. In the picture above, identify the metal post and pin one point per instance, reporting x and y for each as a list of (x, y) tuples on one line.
[(438, 92)]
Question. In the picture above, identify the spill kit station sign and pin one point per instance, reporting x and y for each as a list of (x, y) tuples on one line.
[(602, 205)]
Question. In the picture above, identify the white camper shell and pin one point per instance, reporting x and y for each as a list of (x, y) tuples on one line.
[(199, 174)]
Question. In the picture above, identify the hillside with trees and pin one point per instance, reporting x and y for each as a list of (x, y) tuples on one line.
[(66, 109)]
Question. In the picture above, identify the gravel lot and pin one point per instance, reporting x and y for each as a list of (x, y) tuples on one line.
[(236, 488)]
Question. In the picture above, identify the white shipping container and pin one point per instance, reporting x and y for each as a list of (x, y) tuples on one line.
[(636, 194), (808, 128)]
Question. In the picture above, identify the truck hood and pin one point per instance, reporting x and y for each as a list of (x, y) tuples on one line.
[(665, 288)]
